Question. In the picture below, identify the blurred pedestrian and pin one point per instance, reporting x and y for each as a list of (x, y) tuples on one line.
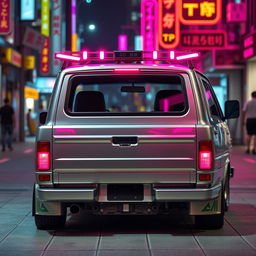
[(28, 117), (7, 119), (249, 119)]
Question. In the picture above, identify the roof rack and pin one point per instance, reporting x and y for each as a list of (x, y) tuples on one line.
[(86, 57)]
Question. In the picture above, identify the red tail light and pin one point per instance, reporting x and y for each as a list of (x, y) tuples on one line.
[(205, 155), (43, 155)]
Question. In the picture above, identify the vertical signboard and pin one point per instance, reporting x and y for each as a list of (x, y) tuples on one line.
[(27, 10), (45, 18), (200, 12), (149, 22), (45, 58), (55, 34), (5, 16), (169, 29)]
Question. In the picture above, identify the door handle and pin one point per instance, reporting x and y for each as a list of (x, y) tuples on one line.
[(125, 141)]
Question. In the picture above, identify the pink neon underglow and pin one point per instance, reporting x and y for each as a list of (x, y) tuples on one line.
[(187, 56), (172, 55), (126, 69), (102, 55), (122, 43), (85, 55), (155, 55), (65, 130), (62, 56)]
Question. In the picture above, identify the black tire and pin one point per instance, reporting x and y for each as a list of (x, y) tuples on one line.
[(47, 222), (50, 222), (214, 221)]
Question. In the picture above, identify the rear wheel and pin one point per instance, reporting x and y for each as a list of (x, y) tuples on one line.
[(47, 222), (50, 222), (214, 221)]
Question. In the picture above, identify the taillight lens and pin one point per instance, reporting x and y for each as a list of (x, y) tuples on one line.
[(43, 155), (205, 155)]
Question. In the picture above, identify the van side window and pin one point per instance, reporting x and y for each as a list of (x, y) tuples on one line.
[(212, 101)]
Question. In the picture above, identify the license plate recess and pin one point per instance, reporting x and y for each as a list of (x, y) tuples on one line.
[(125, 192)]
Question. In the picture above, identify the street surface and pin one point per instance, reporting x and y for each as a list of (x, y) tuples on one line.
[(122, 235)]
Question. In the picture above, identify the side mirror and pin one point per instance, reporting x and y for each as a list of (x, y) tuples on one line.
[(232, 109), (42, 118)]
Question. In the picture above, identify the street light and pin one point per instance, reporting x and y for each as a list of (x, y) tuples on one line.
[(91, 27)]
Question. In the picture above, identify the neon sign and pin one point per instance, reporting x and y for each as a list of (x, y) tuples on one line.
[(169, 29), (200, 12), (203, 40), (149, 24), (45, 17), (45, 58), (5, 14)]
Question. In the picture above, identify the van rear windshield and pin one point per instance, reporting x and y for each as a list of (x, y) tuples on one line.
[(126, 95)]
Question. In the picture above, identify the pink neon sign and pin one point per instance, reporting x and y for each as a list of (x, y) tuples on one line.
[(149, 17)]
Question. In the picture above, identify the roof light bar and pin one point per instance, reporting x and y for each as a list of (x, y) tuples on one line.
[(126, 56), (62, 56), (188, 56), (126, 69)]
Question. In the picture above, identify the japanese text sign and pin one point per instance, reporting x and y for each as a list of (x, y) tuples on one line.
[(45, 58), (45, 17), (169, 29), (5, 14), (33, 39), (149, 13), (200, 12), (203, 40), (55, 34)]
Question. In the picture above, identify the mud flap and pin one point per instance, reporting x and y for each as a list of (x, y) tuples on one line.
[(47, 208), (206, 207)]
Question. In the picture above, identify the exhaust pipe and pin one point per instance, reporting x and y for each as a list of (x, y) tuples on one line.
[(74, 208)]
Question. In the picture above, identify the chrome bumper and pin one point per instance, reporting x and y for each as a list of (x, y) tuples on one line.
[(181, 195), (201, 194)]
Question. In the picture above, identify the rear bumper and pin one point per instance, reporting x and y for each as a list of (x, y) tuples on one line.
[(85, 195)]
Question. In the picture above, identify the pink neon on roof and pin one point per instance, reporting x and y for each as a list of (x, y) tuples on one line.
[(62, 56), (85, 55), (172, 55), (187, 56), (155, 55), (102, 55), (126, 69)]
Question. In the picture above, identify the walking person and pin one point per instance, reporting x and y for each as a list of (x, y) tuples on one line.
[(249, 119), (7, 120)]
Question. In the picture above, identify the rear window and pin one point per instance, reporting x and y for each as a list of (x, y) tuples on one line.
[(126, 95)]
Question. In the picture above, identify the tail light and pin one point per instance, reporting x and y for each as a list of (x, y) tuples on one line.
[(43, 155), (205, 155)]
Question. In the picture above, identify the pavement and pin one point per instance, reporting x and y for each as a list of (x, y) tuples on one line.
[(122, 235)]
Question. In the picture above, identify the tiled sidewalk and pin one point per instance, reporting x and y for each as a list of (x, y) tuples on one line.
[(125, 235)]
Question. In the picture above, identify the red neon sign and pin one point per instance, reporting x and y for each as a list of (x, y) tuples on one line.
[(169, 30), (200, 12), (203, 40), (45, 58), (5, 14)]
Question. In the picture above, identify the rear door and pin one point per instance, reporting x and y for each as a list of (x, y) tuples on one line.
[(109, 129)]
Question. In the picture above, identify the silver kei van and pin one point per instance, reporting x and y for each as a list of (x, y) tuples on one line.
[(126, 134)]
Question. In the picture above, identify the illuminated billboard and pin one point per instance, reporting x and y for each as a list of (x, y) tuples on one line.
[(5, 17), (169, 27), (200, 12), (27, 10)]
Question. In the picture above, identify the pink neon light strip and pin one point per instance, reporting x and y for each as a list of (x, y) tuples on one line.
[(102, 55), (3, 160), (155, 55), (188, 56), (172, 55), (85, 55), (126, 69), (67, 57)]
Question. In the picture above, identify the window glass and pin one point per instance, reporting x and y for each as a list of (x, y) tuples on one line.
[(127, 94), (211, 99)]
